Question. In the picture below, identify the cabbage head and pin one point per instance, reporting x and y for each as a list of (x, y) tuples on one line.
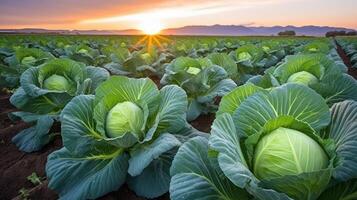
[(266, 48), (124, 117), (57, 82), (244, 56), (303, 77), (301, 154), (248, 54), (193, 70), (28, 60), (84, 51), (316, 47)]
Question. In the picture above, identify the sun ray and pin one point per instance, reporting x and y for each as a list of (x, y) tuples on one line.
[(149, 46), (164, 38), (141, 40), (157, 41)]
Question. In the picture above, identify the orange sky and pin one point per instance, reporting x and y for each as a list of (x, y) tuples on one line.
[(119, 14)]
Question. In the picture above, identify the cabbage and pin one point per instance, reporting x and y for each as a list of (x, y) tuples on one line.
[(193, 70), (146, 57), (244, 56), (102, 149), (57, 82), (124, 117), (303, 77), (203, 79), (287, 152), (84, 51), (313, 49), (44, 92), (282, 143), (266, 49), (28, 60)]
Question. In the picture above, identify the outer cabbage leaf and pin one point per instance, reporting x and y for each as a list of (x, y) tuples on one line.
[(343, 131), (85, 177), (226, 62), (196, 175), (34, 138), (336, 88), (294, 100), (342, 191), (232, 100), (158, 172)]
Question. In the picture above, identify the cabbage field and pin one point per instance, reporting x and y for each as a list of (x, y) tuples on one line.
[(178, 117)]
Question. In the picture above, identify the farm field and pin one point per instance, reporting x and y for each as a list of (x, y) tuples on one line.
[(175, 117)]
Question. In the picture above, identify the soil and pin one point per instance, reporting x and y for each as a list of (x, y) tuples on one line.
[(203, 122), (16, 166), (156, 80), (347, 61)]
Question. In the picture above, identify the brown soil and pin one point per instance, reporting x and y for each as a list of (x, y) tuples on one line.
[(5, 108), (347, 61), (203, 122), (16, 166), (156, 80)]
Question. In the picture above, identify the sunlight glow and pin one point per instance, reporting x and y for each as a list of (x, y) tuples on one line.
[(151, 26)]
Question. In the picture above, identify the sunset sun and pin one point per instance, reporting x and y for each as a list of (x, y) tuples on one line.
[(151, 27)]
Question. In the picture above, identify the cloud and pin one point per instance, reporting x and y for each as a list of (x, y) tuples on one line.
[(32, 12), (29, 12), (167, 13), (182, 9)]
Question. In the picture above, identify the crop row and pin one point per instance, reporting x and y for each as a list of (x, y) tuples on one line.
[(285, 115)]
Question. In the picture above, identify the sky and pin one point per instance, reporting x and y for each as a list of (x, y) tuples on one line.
[(120, 14)]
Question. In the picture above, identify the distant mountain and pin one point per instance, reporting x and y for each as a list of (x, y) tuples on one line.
[(249, 30), (217, 29)]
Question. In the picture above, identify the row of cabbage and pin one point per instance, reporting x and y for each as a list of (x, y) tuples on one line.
[(126, 56), (284, 141), (349, 45), (288, 134), (118, 130), (51, 72)]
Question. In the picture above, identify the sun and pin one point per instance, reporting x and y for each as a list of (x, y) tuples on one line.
[(151, 27)]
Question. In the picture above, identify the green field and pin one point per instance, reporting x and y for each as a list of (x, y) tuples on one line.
[(179, 117)]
